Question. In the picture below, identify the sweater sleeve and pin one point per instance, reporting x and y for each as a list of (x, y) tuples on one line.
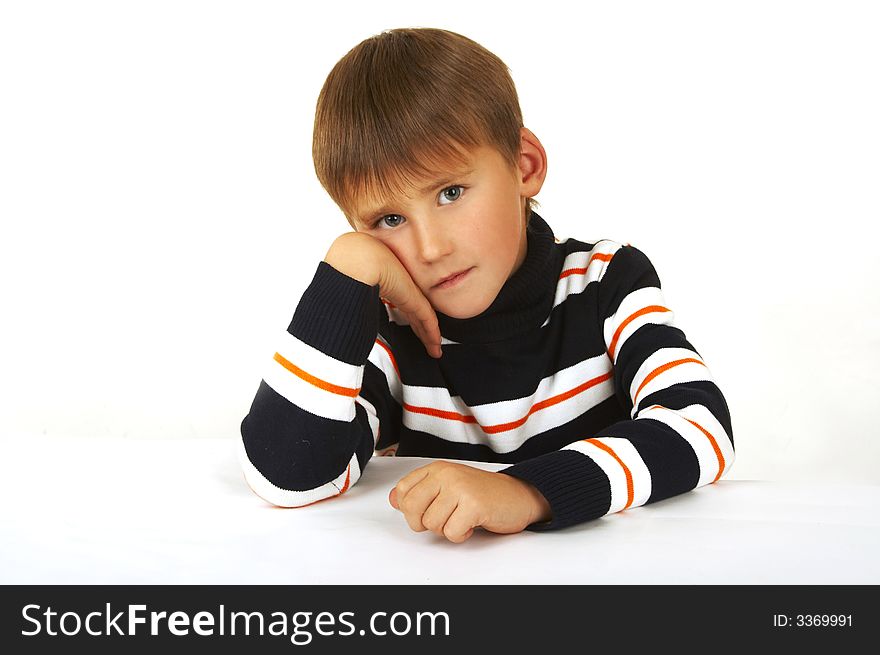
[(679, 436), (314, 422)]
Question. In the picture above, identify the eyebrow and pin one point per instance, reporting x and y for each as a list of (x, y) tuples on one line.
[(432, 186)]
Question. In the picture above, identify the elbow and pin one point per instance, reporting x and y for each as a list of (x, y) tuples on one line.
[(289, 498)]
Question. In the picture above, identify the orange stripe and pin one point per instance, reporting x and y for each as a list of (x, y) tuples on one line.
[(580, 271), (311, 379), (626, 471), (709, 436), (341, 491), (504, 427), (439, 413), (645, 310), (714, 447), (573, 271), (347, 479), (661, 369), (390, 355)]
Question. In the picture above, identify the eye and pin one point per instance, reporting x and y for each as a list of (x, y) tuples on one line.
[(458, 188), (376, 224), (451, 188)]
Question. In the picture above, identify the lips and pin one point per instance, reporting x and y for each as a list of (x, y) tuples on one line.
[(449, 277)]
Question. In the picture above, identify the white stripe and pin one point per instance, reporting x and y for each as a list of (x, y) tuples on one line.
[(634, 302), (626, 451), (702, 446), (576, 283), (689, 372), (289, 498), (306, 395), (568, 286), (354, 473), (702, 415), (372, 417), (508, 411), (317, 363), (309, 397), (381, 360)]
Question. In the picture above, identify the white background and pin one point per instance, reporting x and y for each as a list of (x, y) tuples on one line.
[(161, 216)]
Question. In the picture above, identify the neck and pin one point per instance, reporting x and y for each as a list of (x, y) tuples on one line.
[(525, 300)]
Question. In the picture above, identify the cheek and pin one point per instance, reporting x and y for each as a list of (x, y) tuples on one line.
[(502, 240), (398, 248)]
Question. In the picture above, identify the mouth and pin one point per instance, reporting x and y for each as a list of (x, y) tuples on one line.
[(452, 280)]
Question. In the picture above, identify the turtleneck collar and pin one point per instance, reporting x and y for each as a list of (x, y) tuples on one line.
[(525, 300)]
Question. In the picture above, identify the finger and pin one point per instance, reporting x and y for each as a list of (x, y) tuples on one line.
[(431, 340), (438, 512), (409, 480), (392, 498), (423, 320), (419, 329), (460, 525), (425, 314), (427, 317), (412, 303), (428, 334), (417, 501), (432, 344)]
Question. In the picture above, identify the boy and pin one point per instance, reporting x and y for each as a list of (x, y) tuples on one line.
[(453, 324)]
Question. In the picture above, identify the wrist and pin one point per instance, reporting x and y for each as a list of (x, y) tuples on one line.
[(351, 255), (539, 508), (337, 316)]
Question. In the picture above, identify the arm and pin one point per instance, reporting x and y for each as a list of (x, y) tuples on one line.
[(679, 436), (314, 422), (307, 437)]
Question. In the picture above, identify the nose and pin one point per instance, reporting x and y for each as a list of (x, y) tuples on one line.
[(434, 240)]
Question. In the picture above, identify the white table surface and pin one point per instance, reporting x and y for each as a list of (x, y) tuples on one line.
[(118, 511)]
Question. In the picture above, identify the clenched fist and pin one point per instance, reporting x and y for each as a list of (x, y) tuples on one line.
[(452, 499), (368, 260)]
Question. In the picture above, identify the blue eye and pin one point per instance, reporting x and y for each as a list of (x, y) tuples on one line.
[(389, 216), (380, 221), (443, 193)]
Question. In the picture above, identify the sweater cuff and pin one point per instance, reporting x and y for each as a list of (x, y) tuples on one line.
[(338, 315), (573, 484)]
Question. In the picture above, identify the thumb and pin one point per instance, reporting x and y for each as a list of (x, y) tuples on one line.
[(392, 498)]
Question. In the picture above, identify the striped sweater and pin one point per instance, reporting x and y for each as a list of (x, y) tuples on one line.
[(575, 375)]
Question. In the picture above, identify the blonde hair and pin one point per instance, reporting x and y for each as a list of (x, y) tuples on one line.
[(404, 104)]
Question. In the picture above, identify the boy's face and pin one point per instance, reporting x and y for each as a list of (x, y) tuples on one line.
[(472, 220)]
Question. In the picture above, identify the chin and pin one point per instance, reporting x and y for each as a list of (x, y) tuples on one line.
[(464, 310)]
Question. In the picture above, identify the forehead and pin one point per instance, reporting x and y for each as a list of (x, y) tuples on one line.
[(374, 201)]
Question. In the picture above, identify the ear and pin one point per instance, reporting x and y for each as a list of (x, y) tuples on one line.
[(532, 164)]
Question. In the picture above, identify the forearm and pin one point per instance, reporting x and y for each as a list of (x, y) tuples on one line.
[(306, 437)]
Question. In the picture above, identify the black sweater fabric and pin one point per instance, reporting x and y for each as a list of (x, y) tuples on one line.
[(575, 375)]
